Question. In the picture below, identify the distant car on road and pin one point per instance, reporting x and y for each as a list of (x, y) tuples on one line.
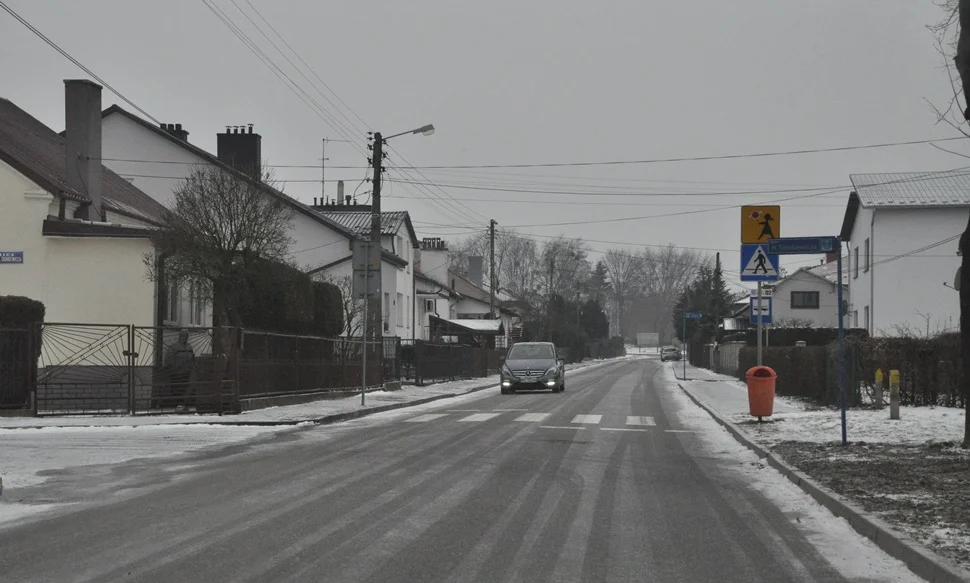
[(670, 353), (533, 365)]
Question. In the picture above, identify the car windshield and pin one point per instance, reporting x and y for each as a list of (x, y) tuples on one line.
[(531, 352)]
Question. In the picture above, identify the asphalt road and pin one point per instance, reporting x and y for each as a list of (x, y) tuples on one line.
[(594, 484)]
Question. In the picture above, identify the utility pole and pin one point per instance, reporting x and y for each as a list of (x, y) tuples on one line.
[(491, 269), (377, 165), (323, 173)]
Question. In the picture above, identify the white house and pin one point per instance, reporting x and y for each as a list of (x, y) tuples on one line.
[(902, 231), (809, 297), (156, 158), (73, 234), (399, 249)]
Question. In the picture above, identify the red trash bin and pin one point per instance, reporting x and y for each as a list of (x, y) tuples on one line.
[(761, 390)]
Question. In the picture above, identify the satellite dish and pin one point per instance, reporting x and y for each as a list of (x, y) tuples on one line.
[(956, 280)]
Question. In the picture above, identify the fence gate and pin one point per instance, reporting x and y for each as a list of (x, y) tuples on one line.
[(124, 369)]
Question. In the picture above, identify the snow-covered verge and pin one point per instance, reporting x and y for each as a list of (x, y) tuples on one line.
[(908, 472), (854, 556), (29, 453)]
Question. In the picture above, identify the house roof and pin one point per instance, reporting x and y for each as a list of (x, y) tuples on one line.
[(829, 271), (37, 152), (210, 159), (913, 189), (467, 326), (898, 190), (385, 255), (468, 289), (421, 276), (360, 221)]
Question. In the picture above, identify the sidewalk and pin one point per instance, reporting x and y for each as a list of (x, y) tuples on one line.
[(323, 411), (725, 394)]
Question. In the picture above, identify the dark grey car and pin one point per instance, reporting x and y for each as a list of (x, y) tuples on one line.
[(533, 365)]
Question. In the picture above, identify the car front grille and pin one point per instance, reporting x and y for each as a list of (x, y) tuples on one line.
[(528, 374)]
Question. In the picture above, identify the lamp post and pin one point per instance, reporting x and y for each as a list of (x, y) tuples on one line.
[(377, 164)]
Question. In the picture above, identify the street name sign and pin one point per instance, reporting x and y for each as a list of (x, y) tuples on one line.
[(803, 245)]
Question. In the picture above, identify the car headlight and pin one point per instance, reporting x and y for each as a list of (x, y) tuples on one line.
[(506, 370), (552, 371)]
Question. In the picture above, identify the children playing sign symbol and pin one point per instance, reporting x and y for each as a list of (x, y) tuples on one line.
[(757, 264), (759, 223)]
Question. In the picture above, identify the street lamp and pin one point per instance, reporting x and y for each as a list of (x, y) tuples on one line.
[(377, 164)]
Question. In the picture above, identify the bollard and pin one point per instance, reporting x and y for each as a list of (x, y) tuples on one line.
[(894, 394), (877, 397)]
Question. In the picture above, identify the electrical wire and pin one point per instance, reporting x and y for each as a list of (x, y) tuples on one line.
[(66, 55)]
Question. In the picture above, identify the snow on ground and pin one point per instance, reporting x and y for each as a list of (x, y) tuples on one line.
[(27, 452), (855, 556), (915, 425)]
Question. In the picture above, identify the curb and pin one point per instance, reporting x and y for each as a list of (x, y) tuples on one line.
[(920, 560)]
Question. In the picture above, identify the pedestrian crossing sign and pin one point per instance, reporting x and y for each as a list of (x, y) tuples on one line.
[(757, 264)]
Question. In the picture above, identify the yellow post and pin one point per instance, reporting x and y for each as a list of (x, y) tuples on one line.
[(877, 394), (894, 394)]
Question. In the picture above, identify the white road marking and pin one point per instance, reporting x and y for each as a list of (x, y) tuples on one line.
[(464, 410), (532, 417), (622, 429), (480, 417), (509, 410), (679, 431), (640, 420), (426, 417), (560, 427), (590, 419)]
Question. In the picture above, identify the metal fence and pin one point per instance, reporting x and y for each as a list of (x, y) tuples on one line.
[(108, 368), (425, 362), (273, 364)]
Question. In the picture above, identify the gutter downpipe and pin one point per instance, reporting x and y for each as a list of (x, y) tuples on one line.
[(872, 273)]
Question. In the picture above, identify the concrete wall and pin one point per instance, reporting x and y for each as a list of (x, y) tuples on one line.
[(82, 280), (906, 293)]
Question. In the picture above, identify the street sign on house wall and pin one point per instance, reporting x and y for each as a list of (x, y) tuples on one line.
[(11, 257)]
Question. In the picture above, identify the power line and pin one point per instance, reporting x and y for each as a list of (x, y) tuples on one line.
[(696, 158), (66, 55)]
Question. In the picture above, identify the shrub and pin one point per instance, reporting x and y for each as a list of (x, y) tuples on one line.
[(801, 370), (280, 298), (20, 312), (811, 336)]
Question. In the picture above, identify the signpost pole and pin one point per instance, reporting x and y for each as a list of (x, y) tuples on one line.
[(841, 344), (363, 372), (684, 355), (761, 323)]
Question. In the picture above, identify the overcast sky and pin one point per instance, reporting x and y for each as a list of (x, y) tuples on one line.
[(525, 82)]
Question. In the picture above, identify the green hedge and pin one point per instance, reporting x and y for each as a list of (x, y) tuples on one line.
[(789, 336), (20, 312), (280, 298), (801, 370)]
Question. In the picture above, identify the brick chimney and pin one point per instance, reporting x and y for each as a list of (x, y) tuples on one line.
[(176, 130), (82, 144), (241, 149)]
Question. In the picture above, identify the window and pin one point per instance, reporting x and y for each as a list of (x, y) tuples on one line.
[(400, 309), (855, 318), (407, 319), (855, 262), (867, 317), (866, 268), (192, 318), (387, 308), (804, 300)]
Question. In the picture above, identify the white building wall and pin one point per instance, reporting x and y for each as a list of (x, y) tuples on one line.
[(825, 316), (160, 165), (79, 280), (907, 293), (860, 289)]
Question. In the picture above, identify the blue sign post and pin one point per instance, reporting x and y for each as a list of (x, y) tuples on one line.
[(688, 316), (816, 246)]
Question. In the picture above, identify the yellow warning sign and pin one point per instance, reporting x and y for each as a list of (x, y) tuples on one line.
[(760, 223)]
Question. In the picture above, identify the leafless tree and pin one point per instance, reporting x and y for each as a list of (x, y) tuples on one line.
[(622, 267), (662, 276), (351, 307), (221, 223)]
